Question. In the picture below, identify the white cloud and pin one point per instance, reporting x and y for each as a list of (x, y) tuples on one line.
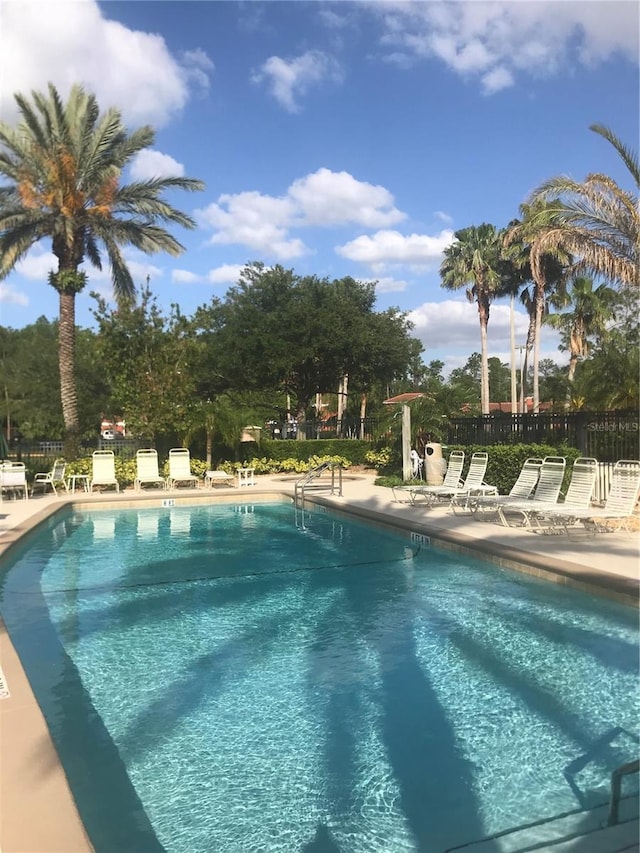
[(12, 296), (390, 285), (391, 247), (494, 41), (454, 323), (225, 274), (257, 221), (66, 42), (149, 164), (37, 264), (289, 80), (337, 198), (324, 198), (496, 79), (185, 277)]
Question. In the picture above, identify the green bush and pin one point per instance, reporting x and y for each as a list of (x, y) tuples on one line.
[(350, 449), (505, 462)]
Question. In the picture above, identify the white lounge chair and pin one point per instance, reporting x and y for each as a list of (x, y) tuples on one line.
[(451, 480), (103, 469), (180, 469), (474, 484), (578, 498), (147, 470), (13, 479), (220, 478), (618, 507), (521, 490), (53, 478), (546, 492)]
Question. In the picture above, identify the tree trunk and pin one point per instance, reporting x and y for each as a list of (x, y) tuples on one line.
[(209, 448), (363, 413), (539, 297), (514, 384), (483, 313), (67, 361)]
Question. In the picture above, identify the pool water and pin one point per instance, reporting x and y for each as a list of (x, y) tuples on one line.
[(243, 678)]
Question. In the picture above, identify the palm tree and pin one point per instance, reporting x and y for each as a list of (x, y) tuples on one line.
[(596, 221), (591, 308), (473, 261), (64, 164), (546, 264)]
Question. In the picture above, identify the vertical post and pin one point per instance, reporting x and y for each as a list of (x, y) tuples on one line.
[(514, 389), (406, 442)]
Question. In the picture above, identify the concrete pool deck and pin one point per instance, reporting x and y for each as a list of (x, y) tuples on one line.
[(37, 811)]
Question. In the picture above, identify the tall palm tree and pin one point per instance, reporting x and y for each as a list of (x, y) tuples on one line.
[(523, 239), (63, 164), (473, 261), (596, 221), (591, 308)]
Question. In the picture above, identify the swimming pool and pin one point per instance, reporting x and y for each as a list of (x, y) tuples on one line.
[(249, 678)]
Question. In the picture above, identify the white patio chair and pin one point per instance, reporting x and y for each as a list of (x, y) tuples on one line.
[(147, 470), (546, 492), (53, 478), (13, 479), (180, 469), (103, 469), (474, 484), (521, 490), (618, 508), (451, 480), (220, 478), (578, 497)]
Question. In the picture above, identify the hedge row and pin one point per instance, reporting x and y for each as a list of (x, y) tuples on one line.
[(126, 468), (287, 448), (505, 462)]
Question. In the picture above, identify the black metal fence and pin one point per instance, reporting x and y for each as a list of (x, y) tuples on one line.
[(606, 436), (363, 428)]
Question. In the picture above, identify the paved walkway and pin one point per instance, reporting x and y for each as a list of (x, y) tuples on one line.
[(32, 781)]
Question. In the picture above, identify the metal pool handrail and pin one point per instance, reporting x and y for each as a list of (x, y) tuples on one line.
[(616, 785), (306, 482)]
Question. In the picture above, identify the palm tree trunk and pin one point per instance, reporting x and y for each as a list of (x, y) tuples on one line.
[(539, 297), (67, 361), (512, 330), (363, 412), (483, 312)]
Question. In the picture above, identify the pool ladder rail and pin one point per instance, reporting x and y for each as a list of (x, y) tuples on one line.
[(312, 481)]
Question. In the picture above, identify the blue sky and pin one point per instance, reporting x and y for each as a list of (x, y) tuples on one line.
[(336, 138)]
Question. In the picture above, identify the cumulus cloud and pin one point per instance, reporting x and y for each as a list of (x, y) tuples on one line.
[(454, 323), (497, 41), (11, 296), (225, 274), (66, 42), (37, 264), (392, 247), (149, 164), (290, 80), (185, 277), (257, 221), (390, 285), (323, 198), (337, 198)]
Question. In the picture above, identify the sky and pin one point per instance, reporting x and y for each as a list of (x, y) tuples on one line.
[(335, 138)]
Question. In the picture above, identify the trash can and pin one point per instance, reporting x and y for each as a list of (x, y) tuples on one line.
[(434, 464)]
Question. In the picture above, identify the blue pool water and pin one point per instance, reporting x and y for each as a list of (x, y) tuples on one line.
[(250, 679)]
